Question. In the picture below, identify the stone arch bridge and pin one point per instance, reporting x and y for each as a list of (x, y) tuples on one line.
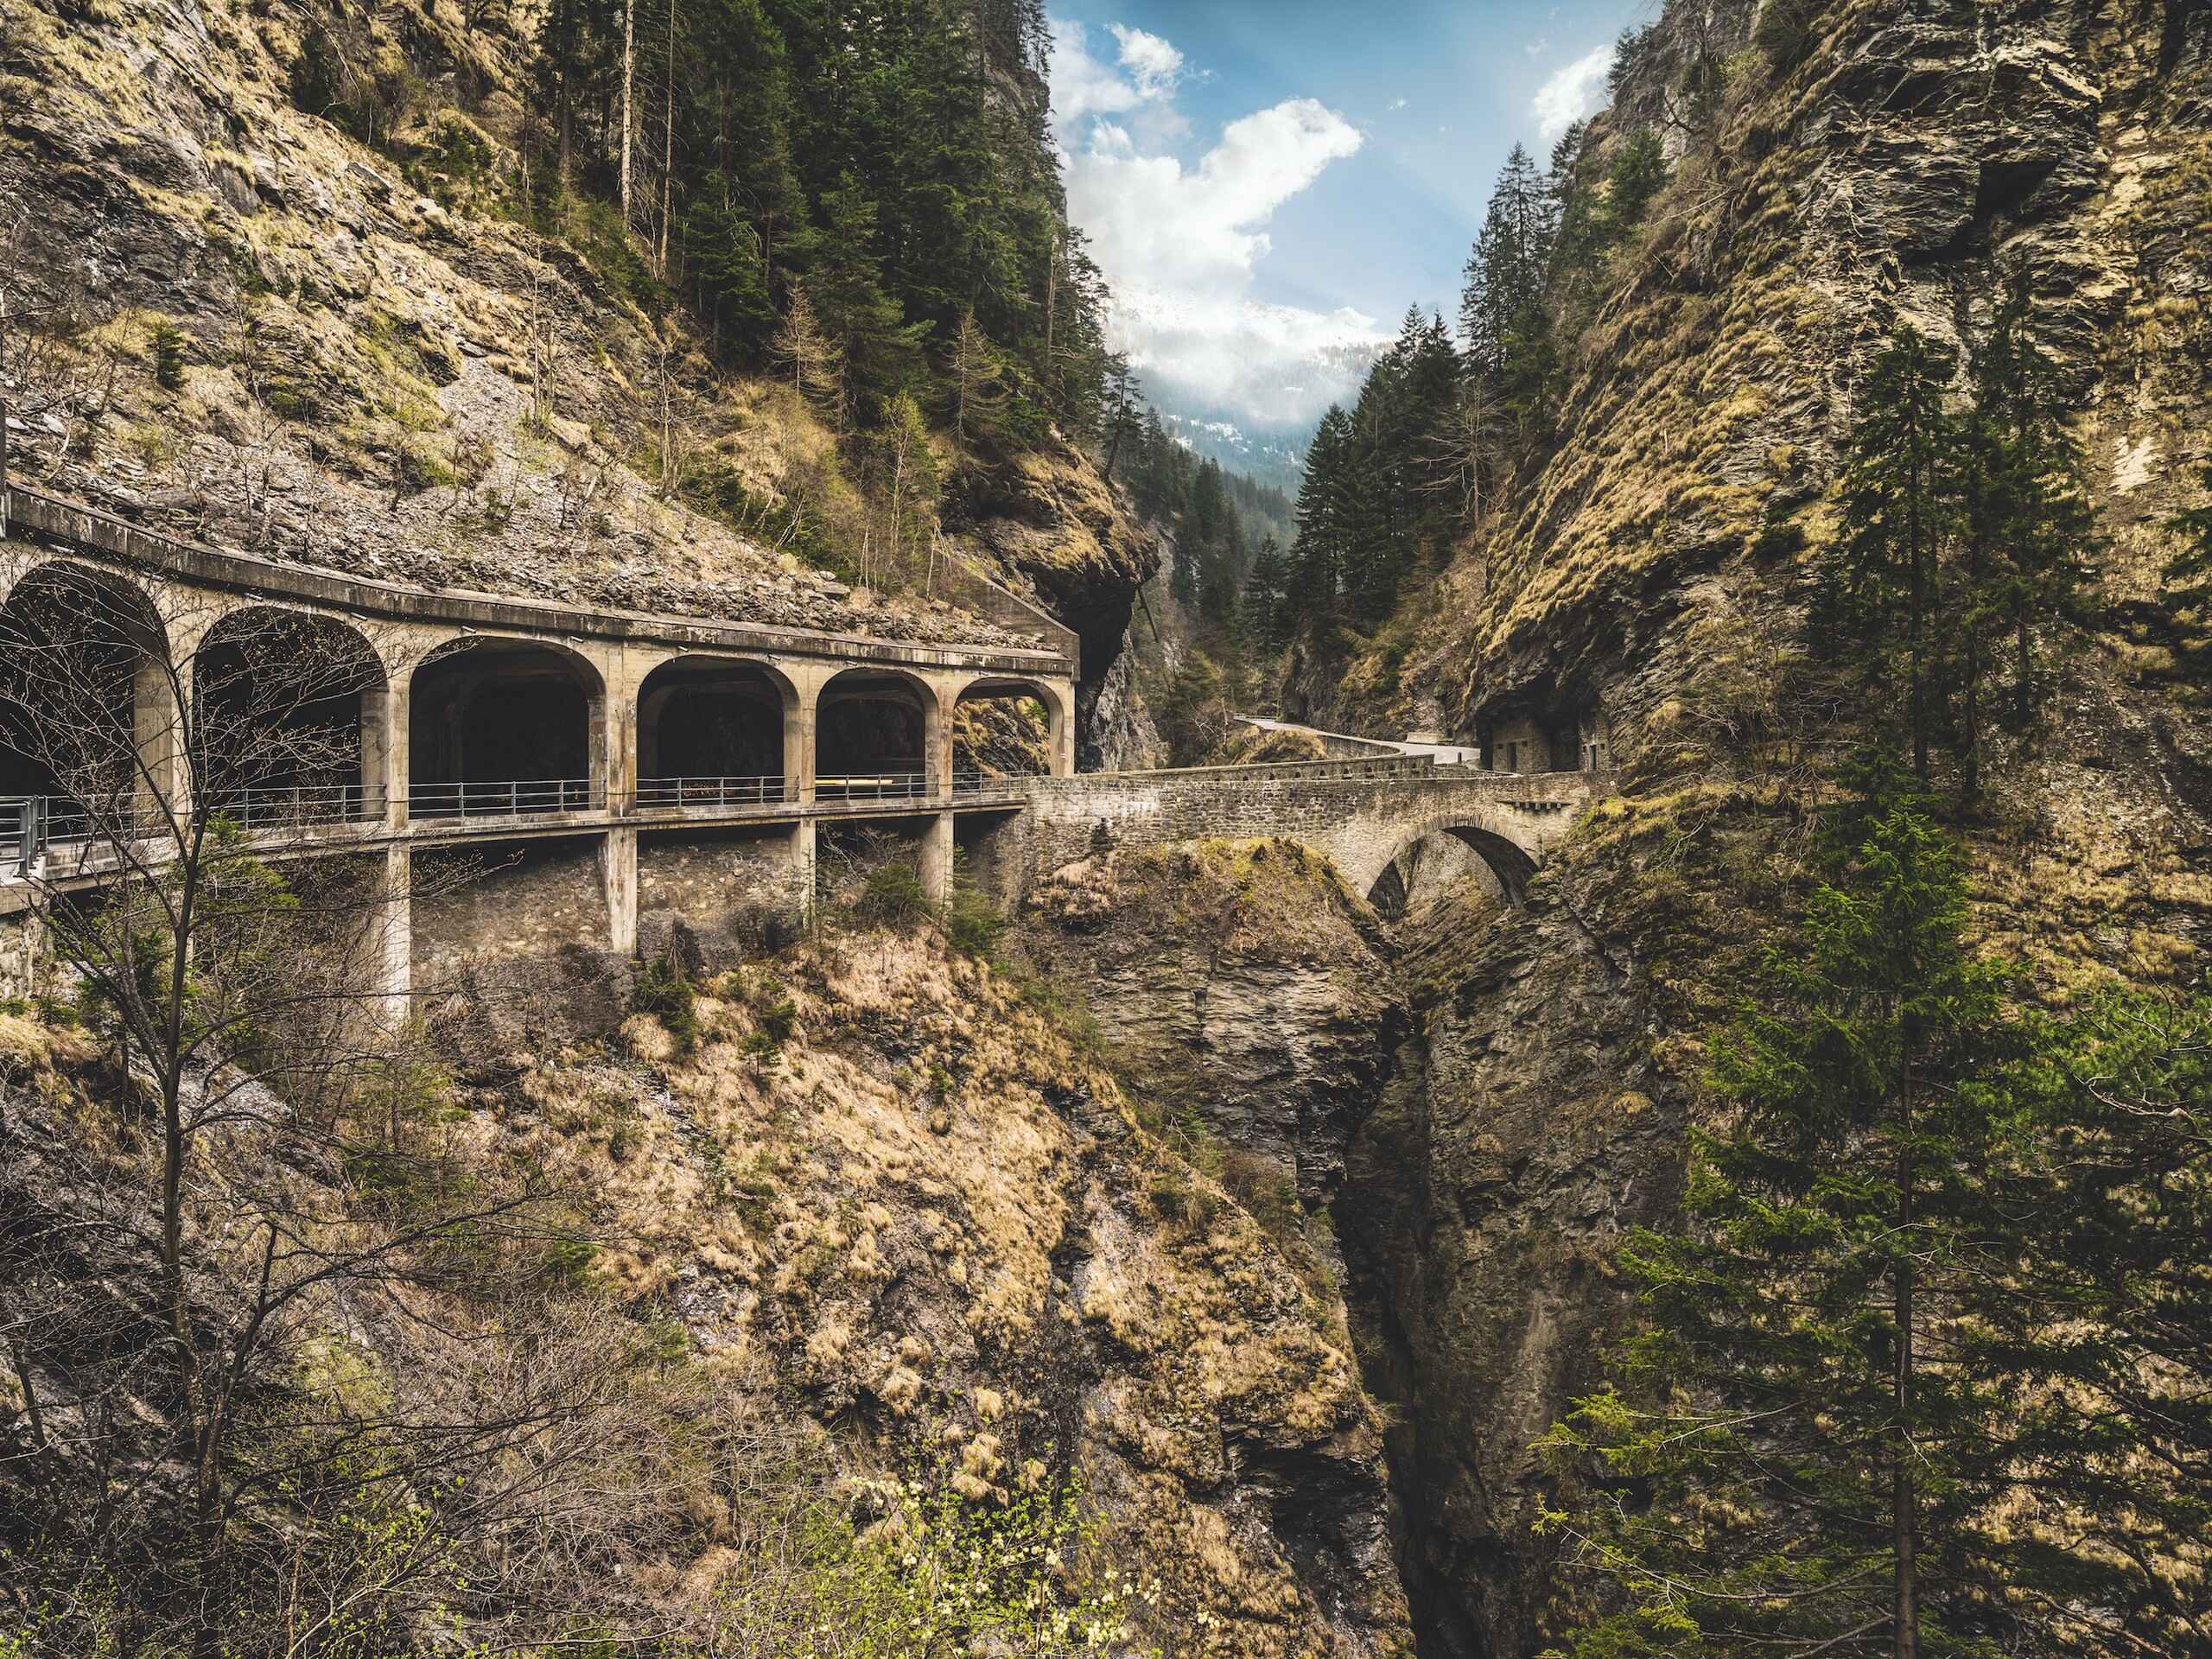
[(624, 770)]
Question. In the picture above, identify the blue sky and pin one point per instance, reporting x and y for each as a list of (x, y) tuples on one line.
[(1269, 183)]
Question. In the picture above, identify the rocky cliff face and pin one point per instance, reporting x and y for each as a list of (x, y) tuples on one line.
[(937, 1224), (256, 330), (1647, 573)]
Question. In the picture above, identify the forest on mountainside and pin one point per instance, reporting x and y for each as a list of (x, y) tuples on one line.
[(862, 202)]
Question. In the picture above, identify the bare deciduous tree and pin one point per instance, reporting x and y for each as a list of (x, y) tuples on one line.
[(182, 1324)]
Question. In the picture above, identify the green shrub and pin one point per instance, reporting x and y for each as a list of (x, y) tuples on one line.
[(569, 1262), (664, 991), (974, 925), (168, 356), (893, 896)]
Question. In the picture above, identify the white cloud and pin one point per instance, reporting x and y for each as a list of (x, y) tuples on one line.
[(1181, 244), (1401, 103), (1572, 93), (1152, 63)]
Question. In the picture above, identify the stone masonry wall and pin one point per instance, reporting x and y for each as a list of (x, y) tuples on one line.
[(511, 946), (711, 898), (1361, 814)]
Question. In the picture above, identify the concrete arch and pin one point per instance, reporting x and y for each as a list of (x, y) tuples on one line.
[(89, 698), (291, 715), (1060, 713), (881, 726), (1511, 864), (493, 712), (775, 750)]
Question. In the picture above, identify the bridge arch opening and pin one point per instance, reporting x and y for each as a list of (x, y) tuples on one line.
[(88, 697), (717, 731), (500, 726), (288, 710), (875, 733), (1005, 728), (1432, 861)]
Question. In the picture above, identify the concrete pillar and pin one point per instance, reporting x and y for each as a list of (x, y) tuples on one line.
[(614, 767), (936, 738), (617, 868), (1059, 706), (805, 869), (392, 950), (385, 753), (937, 859), (158, 711), (802, 737)]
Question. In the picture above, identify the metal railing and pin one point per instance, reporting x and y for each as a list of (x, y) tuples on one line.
[(970, 785), (267, 806), (514, 798), (875, 787), (712, 794)]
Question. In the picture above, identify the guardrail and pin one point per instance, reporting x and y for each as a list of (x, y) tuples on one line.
[(503, 800), (877, 786), (265, 806), (720, 794)]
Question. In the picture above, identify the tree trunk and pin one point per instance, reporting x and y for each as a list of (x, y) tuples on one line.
[(629, 74), (1917, 609), (1970, 715), (1903, 1495), (668, 143)]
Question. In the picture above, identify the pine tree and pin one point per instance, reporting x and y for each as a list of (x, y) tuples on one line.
[(978, 389), (1884, 602), (729, 265), (1808, 1461), (881, 350), (1120, 423), (1262, 606), (2047, 536), (2103, 1325), (1317, 556)]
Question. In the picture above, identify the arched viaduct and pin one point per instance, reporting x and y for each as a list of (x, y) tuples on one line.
[(689, 763)]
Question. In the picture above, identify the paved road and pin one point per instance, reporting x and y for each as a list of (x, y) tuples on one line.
[(1445, 754)]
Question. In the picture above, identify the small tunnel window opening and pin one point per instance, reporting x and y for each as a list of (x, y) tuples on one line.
[(503, 726), (873, 736), (289, 714), (1001, 731), (714, 733), (90, 743)]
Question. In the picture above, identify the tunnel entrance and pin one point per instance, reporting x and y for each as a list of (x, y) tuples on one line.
[(501, 727), (90, 742), (289, 711), (872, 737), (715, 733)]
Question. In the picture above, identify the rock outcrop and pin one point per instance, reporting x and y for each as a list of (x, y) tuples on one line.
[(938, 1224), (368, 360)]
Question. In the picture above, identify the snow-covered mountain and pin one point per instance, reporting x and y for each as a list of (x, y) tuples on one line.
[(1272, 455)]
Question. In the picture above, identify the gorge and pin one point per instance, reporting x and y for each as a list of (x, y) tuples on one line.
[(933, 1137)]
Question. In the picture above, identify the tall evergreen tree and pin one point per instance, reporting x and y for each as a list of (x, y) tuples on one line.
[(1884, 599), (1813, 1458), (2045, 533), (2103, 1324)]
